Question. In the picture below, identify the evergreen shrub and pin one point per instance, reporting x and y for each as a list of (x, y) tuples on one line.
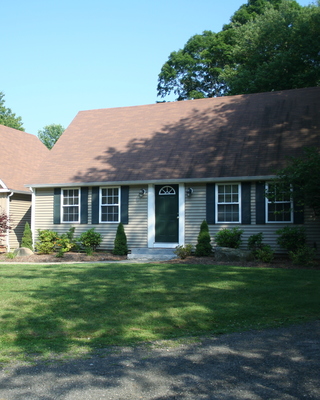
[(203, 246), (120, 242)]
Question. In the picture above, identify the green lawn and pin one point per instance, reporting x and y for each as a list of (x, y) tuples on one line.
[(47, 310)]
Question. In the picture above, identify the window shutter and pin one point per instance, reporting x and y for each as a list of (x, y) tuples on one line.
[(298, 215), (246, 203), (260, 203), (95, 205), (210, 203), (124, 204), (84, 206), (56, 205)]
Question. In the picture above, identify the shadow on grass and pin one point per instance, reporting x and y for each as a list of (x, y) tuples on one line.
[(87, 307)]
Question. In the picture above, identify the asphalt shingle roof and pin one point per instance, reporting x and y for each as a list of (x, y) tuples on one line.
[(236, 136), (21, 155)]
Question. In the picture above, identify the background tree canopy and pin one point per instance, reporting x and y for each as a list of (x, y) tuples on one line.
[(50, 134), (7, 117), (268, 45)]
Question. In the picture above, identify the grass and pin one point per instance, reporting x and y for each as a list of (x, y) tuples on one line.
[(70, 310)]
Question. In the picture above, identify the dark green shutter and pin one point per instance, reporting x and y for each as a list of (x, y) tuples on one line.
[(56, 205), (95, 205), (246, 203), (260, 203), (298, 215), (84, 206), (210, 203), (124, 204)]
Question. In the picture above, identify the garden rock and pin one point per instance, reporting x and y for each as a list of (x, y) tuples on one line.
[(23, 252), (229, 254)]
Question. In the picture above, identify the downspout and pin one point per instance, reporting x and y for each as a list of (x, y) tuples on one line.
[(33, 206), (8, 213)]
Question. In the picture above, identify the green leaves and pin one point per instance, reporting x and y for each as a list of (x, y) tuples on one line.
[(269, 45), (7, 117), (50, 134)]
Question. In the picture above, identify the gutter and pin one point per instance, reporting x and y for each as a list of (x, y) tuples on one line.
[(155, 181)]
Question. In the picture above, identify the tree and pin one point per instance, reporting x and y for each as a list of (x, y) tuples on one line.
[(7, 117), (268, 45), (278, 50), (203, 246), (50, 134), (301, 180)]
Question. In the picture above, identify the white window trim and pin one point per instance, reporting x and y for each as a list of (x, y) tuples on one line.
[(267, 208), (118, 205), (62, 206), (217, 203)]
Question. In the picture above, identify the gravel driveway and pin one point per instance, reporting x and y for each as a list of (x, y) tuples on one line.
[(270, 364)]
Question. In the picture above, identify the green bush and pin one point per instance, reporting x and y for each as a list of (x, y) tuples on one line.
[(255, 242), (229, 238), (46, 241), (27, 237), (203, 246), (265, 254), (90, 239), (184, 251), (303, 256), (291, 238), (120, 242)]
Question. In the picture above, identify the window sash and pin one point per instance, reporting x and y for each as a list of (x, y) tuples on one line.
[(109, 204), (70, 205), (280, 209), (228, 203)]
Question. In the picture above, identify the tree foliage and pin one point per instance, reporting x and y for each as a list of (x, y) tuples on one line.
[(50, 134), (268, 45), (5, 224), (7, 117), (301, 180)]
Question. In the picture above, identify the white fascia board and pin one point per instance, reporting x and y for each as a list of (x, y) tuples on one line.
[(156, 181)]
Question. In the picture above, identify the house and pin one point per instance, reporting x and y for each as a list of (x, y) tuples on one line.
[(163, 168), (21, 155)]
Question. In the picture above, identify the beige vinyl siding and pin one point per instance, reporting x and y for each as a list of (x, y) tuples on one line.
[(196, 213), (20, 213), (136, 230), (3, 201)]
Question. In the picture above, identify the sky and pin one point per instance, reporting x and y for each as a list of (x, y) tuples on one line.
[(60, 57)]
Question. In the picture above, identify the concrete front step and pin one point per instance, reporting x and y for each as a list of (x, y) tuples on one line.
[(151, 254)]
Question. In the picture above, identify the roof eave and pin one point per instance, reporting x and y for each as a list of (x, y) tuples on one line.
[(155, 181)]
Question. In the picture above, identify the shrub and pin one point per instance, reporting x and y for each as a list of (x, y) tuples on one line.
[(255, 242), (303, 256), (46, 241), (203, 246), (27, 237), (265, 253), (229, 238), (120, 241), (291, 238), (184, 251), (90, 239)]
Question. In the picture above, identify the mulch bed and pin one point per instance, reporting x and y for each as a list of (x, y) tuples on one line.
[(278, 262)]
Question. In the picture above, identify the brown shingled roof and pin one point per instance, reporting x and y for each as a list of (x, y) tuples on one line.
[(236, 136), (20, 157)]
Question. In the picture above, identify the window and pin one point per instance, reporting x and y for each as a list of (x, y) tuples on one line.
[(70, 205), (228, 203), (110, 204), (279, 206)]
